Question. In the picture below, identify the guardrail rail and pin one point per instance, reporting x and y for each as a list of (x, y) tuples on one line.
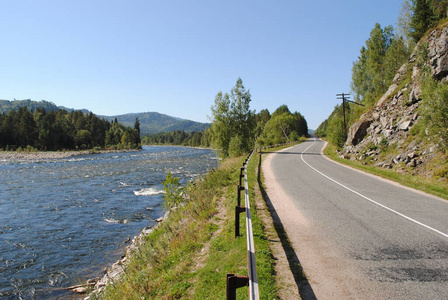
[(236, 281)]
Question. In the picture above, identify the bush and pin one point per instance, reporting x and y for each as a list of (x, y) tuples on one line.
[(336, 132), (435, 112), (172, 192)]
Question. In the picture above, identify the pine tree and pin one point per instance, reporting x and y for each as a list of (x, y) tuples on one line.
[(422, 19)]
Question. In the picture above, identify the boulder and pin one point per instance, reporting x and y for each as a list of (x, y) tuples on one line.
[(358, 131), (386, 95), (404, 125)]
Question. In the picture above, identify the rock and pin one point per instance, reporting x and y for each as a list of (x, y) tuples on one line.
[(412, 155), (386, 95), (384, 121), (358, 131), (415, 72), (400, 74), (438, 53), (404, 125), (80, 290), (388, 133), (414, 95)]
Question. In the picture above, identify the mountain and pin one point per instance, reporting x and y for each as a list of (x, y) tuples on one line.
[(150, 122), (6, 105), (154, 122)]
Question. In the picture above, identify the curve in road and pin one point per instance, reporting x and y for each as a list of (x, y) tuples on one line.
[(392, 246)]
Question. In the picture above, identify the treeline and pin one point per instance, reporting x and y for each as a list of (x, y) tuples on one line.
[(179, 137), (61, 130), (236, 129), (383, 54)]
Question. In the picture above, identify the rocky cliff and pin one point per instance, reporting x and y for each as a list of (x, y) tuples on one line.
[(383, 136)]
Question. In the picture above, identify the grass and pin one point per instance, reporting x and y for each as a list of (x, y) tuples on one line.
[(428, 185), (189, 254)]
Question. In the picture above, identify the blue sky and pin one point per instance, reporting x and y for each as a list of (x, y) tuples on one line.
[(173, 57)]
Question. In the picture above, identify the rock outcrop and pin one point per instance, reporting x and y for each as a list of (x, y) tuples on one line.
[(390, 121)]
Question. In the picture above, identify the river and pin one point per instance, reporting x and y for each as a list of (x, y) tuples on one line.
[(63, 221)]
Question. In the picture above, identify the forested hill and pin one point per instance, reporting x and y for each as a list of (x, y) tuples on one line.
[(150, 122), (6, 106), (153, 122)]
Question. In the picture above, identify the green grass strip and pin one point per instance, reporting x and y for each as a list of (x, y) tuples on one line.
[(428, 185)]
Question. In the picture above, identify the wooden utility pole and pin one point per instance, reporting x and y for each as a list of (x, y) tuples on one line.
[(345, 98)]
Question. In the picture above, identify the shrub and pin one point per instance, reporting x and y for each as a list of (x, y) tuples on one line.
[(172, 191)]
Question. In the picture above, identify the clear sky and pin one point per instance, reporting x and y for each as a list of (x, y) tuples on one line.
[(173, 56)]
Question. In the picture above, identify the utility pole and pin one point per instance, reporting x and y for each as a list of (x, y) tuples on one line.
[(345, 98)]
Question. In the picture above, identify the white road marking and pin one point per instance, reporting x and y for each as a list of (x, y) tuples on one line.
[(368, 199)]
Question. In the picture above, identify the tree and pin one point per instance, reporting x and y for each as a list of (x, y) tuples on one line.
[(422, 19), (83, 139), (377, 65), (404, 23), (232, 117), (283, 126), (336, 132), (243, 117), (137, 128), (261, 119), (221, 123)]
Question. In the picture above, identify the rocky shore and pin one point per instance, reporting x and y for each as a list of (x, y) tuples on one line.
[(14, 155), (115, 272)]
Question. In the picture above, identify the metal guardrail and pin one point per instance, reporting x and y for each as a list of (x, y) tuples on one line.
[(236, 281)]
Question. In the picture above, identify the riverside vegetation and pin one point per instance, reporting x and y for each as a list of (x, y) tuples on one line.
[(25, 130), (189, 254)]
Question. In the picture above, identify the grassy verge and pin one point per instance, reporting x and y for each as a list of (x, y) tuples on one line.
[(190, 253), (428, 185)]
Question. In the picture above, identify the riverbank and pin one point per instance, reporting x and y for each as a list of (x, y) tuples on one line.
[(117, 269), (15, 155), (189, 254)]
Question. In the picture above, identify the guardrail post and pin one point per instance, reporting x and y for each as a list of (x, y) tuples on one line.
[(239, 189), (238, 210), (234, 282)]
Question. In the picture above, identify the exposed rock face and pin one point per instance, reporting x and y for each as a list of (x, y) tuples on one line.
[(438, 53), (390, 121)]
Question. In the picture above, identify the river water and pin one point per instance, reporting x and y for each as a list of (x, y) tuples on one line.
[(63, 221)]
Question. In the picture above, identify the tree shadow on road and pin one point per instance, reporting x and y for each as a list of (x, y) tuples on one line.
[(305, 290)]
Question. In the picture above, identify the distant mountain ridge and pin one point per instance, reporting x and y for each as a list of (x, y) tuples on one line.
[(154, 122), (150, 122)]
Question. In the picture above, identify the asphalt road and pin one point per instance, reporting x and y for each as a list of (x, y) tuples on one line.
[(358, 236)]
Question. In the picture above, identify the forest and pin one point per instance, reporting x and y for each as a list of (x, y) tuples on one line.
[(60, 130)]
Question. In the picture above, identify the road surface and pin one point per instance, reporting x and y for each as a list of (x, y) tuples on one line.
[(358, 236)]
